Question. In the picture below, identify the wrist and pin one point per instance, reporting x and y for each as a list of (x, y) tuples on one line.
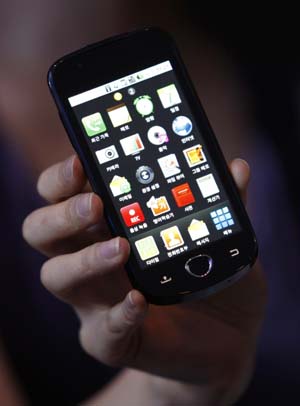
[(220, 392)]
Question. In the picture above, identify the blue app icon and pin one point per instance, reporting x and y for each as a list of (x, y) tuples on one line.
[(182, 126), (222, 218)]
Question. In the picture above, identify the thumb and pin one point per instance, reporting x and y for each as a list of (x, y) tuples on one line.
[(115, 338)]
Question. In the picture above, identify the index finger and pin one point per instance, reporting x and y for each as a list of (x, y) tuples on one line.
[(62, 180)]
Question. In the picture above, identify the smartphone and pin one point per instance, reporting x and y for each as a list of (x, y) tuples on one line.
[(148, 150)]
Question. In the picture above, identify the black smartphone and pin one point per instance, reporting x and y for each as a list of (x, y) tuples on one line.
[(134, 118)]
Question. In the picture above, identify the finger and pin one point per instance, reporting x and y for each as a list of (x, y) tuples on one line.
[(114, 339), (240, 171), (96, 233), (63, 274), (62, 180), (46, 227)]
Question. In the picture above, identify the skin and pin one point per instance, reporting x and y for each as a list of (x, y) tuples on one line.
[(206, 347)]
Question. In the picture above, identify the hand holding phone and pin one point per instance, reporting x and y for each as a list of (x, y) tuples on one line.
[(150, 153), (194, 342)]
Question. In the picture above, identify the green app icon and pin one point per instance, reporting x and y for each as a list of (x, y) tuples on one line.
[(93, 124), (144, 105)]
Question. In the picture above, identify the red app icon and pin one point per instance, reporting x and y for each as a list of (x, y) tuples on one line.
[(183, 195), (132, 214)]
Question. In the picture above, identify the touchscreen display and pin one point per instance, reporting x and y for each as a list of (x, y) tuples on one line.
[(155, 164)]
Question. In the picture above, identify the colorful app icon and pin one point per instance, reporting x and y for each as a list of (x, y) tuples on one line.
[(182, 126), (157, 135), (147, 248), (172, 238), (158, 205), (144, 105), (93, 124), (208, 185), (132, 214), (198, 229), (132, 145), (119, 115), (168, 96), (183, 195), (144, 174), (194, 155), (119, 185), (107, 154), (169, 165), (222, 218)]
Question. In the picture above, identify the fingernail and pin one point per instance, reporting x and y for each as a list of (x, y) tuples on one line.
[(242, 161), (111, 248), (83, 205), (130, 300), (68, 168)]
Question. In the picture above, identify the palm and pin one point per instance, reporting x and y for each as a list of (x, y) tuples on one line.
[(180, 341), (206, 335)]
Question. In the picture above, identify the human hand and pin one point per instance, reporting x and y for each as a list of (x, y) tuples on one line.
[(209, 343)]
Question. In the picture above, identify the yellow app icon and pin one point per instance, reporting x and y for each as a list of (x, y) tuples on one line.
[(147, 248), (119, 185), (172, 238), (197, 229), (158, 205), (119, 115), (194, 155)]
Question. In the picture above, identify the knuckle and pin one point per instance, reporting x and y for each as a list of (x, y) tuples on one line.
[(69, 212), (61, 173), (90, 259)]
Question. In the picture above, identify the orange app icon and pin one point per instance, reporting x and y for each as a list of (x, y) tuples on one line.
[(172, 237), (158, 205), (183, 195)]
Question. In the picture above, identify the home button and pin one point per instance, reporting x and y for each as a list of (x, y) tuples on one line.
[(199, 266)]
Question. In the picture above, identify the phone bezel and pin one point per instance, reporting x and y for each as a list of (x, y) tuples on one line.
[(80, 71)]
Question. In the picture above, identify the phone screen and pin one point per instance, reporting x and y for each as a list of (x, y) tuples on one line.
[(155, 164)]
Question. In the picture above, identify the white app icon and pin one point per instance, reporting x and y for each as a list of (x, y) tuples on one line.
[(147, 248), (157, 135), (132, 145), (168, 96), (107, 154), (169, 165), (119, 185), (208, 185), (119, 115), (197, 229)]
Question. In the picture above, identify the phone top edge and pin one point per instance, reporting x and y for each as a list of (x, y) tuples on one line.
[(104, 42)]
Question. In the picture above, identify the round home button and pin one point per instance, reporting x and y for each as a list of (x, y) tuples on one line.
[(199, 266)]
